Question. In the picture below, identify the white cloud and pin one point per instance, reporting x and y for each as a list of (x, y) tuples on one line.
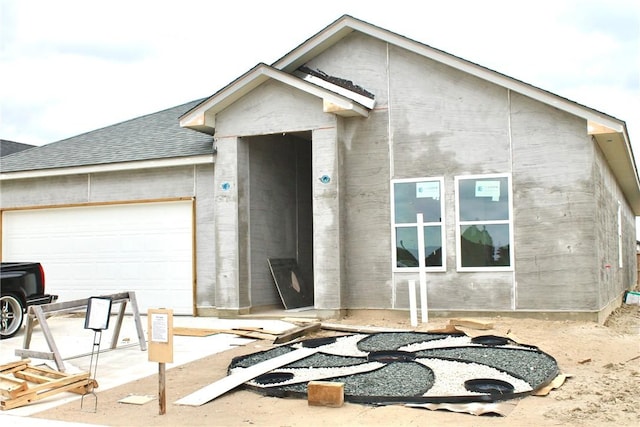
[(70, 66)]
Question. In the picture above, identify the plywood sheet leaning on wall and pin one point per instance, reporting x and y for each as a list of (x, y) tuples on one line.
[(294, 291)]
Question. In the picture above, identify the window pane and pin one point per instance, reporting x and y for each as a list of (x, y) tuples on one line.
[(411, 198), (433, 246), (484, 199), (485, 245), (407, 246)]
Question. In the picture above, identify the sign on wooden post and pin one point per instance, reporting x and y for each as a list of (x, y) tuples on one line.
[(160, 327)]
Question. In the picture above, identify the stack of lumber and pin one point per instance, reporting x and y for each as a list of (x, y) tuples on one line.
[(22, 383)]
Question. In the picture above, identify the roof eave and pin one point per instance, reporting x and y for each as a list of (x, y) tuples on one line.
[(318, 43), (109, 167), (616, 149)]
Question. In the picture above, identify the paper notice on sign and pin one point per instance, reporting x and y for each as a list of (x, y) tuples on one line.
[(488, 189), (160, 327), (428, 189)]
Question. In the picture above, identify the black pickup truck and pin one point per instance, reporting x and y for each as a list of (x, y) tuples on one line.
[(21, 285)]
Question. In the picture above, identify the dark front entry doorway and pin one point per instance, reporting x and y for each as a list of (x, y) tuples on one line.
[(280, 211)]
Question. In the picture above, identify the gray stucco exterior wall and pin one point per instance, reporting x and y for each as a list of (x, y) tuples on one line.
[(231, 227), (293, 181), (205, 239), (614, 235), (183, 182), (431, 120), (554, 216), (273, 108), (104, 187)]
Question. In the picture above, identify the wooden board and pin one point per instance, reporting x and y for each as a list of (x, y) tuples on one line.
[(359, 329), (293, 290), (220, 387), (250, 334), (21, 383), (299, 319), (204, 332), (294, 333), (18, 365), (325, 393), (11, 387), (256, 329), (194, 332), (471, 323)]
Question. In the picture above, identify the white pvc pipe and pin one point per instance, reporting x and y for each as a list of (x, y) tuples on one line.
[(422, 269), (413, 310)]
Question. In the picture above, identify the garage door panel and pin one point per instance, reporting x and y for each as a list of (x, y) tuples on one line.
[(86, 251)]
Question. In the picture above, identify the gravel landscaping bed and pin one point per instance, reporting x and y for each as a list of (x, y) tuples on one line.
[(392, 367)]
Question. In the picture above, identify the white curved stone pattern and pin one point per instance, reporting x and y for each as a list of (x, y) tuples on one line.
[(451, 376)]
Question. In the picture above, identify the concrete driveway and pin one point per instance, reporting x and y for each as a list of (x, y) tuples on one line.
[(124, 364)]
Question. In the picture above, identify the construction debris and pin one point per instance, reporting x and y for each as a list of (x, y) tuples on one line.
[(203, 332), (299, 320), (297, 332), (447, 329), (22, 383), (251, 332), (471, 323), (556, 383), (359, 329), (325, 393), (136, 400), (474, 408), (225, 384)]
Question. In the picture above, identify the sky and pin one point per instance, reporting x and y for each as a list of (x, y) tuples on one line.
[(71, 66)]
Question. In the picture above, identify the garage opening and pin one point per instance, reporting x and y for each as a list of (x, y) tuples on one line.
[(97, 250), (281, 211)]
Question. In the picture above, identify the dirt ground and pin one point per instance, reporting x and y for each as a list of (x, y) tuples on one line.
[(603, 390)]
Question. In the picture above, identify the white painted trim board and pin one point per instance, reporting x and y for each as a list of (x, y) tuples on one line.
[(220, 387)]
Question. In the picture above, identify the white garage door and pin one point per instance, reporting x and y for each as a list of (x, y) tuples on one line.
[(98, 250)]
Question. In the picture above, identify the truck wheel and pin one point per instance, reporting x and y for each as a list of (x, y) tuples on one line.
[(11, 315)]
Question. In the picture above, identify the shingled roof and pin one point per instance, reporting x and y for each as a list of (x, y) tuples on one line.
[(153, 136), (9, 147)]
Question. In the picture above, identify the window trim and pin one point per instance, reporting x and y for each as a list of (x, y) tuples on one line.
[(394, 226), (459, 223)]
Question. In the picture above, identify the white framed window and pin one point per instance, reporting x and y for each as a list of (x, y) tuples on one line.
[(484, 226), (417, 206)]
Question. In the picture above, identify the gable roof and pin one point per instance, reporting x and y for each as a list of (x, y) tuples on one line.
[(150, 137), (346, 25), (608, 132), (202, 116), (9, 147)]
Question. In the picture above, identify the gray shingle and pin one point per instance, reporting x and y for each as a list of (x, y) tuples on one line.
[(154, 136), (9, 147)]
